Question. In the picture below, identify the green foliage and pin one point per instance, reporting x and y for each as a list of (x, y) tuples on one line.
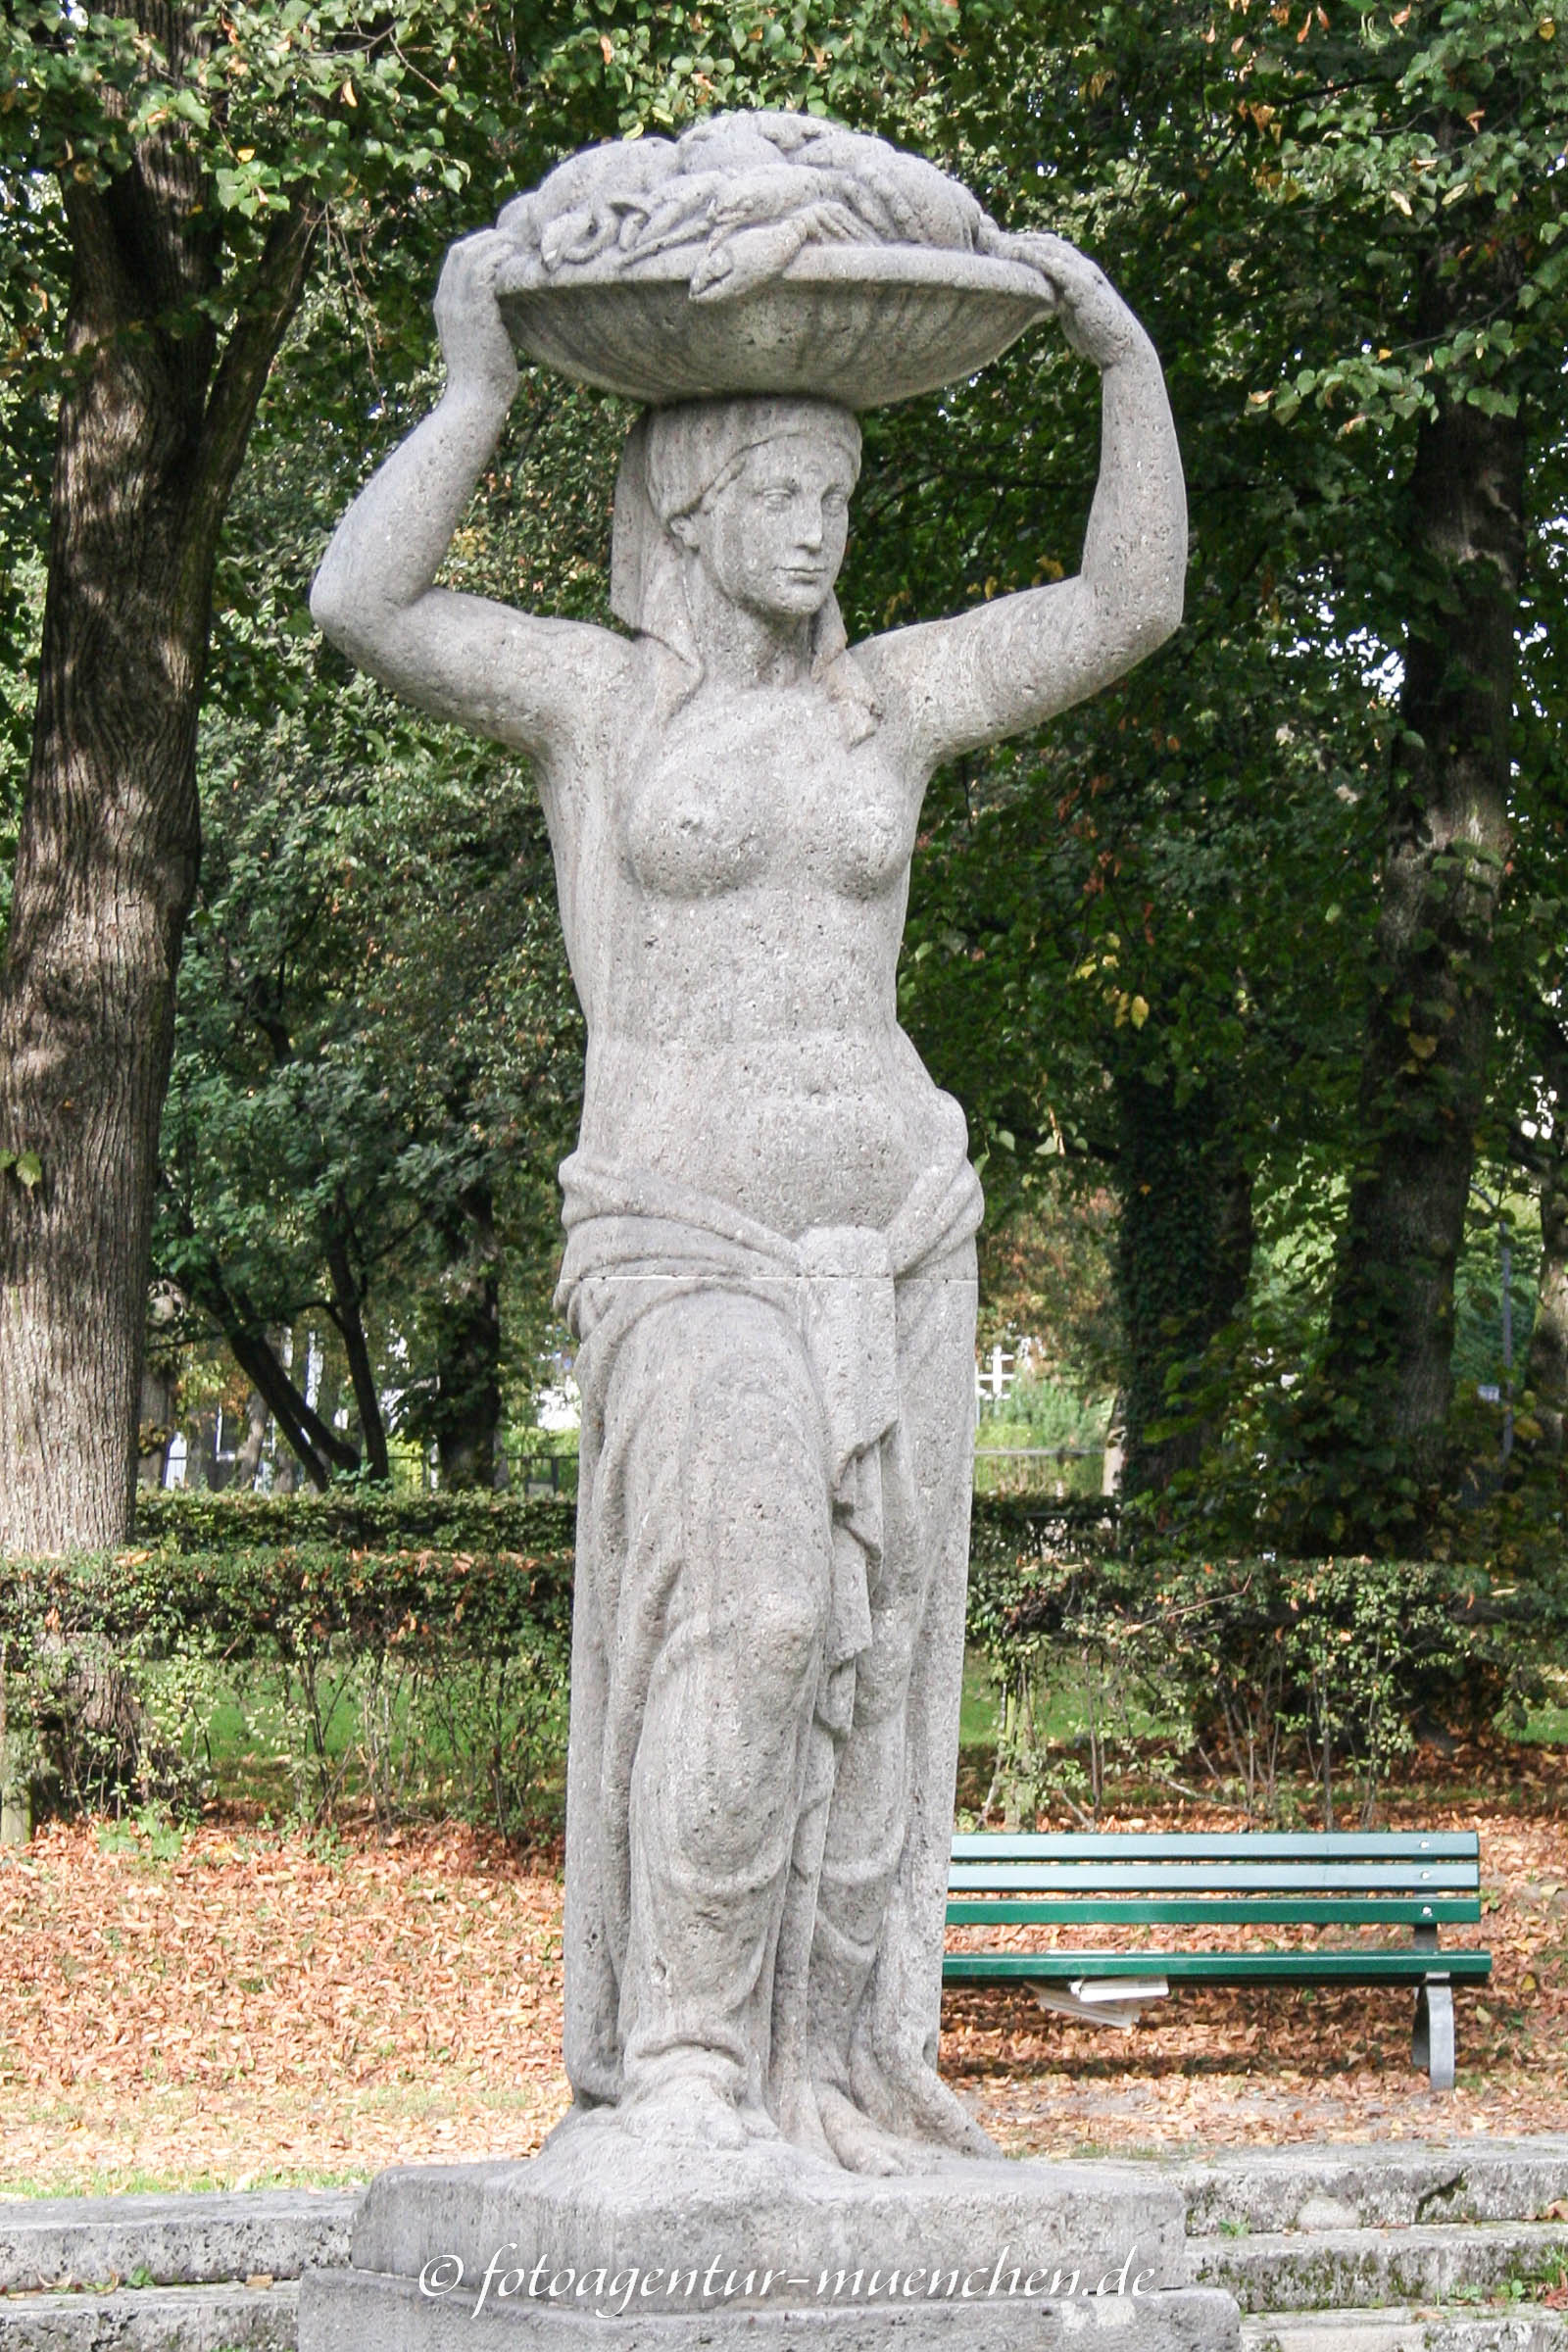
[(352, 1516), (1246, 1665), (416, 1663), (1166, 902), (1039, 1410)]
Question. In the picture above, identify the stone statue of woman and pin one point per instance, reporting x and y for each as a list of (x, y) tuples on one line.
[(770, 1216)]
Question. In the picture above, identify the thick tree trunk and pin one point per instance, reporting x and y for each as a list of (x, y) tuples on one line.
[(1431, 1014), (104, 871), (1183, 1255), (1430, 1018), (151, 431)]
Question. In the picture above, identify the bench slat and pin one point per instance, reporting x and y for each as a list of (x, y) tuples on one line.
[(1178, 1910), (1222, 1968), (1055, 1878), (1223, 1846)]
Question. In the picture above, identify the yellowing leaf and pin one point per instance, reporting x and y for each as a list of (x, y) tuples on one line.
[(1138, 1011)]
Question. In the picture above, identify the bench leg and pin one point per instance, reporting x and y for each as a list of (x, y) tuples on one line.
[(1432, 2042)]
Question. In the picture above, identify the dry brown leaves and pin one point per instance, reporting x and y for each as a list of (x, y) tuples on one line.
[(1213, 2066), (255, 2008)]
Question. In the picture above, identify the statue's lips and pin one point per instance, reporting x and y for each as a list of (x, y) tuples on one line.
[(865, 325)]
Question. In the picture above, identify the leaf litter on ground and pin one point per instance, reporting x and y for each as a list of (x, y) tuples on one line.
[(248, 2005)]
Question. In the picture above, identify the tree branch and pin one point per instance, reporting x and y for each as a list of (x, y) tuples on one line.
[(270, 303)]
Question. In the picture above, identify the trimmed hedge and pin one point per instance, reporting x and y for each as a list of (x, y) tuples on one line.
[(363, 1517), (417, 1658), (441, 1623)]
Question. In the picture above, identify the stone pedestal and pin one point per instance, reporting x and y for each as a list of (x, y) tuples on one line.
[(609, 2240)]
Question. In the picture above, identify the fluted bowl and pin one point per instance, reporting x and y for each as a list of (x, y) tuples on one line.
[(856, 323)]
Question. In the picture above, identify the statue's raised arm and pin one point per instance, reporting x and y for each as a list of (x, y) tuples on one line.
[(511, 675), (770, 1265), (1011, 663)]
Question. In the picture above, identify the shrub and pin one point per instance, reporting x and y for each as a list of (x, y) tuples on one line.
[(419, 1673), (1331, 1664)]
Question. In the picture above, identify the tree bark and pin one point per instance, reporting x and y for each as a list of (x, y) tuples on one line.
[(319, 1446), (1183, 1257), (466, 1417), (248, 1455), (152, 427), (1390, 1334), (1547, 1364), (346, 1315)]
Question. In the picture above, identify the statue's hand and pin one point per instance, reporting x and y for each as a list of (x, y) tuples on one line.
[(475, 343), (1094, 318)]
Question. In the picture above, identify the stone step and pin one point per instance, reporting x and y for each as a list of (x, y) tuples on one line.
[(155, 2319), (171, 2241), (1526, 2328), (1287, 2270), (1385, 2186)]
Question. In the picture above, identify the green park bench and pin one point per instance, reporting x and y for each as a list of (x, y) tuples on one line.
[(1417, 1879)]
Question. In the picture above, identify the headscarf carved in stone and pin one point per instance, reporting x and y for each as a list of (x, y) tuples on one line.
[(675, 457)]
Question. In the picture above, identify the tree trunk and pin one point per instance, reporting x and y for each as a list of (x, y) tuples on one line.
[(155, 1422), (151, 430), (346, 1315), (248, 1458), (1183, 1256), (1390, 1334), (466, 1418), (1547, 1364)]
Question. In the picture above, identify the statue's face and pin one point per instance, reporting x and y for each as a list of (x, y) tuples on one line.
[(771, 538)]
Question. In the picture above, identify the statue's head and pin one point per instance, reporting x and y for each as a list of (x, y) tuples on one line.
[(757, 493)]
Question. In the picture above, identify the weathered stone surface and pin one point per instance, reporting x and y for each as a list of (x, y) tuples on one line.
[(764, 253), (1387, 2183), (654, 2245), (174, 2319), (776, 2223), (770, 1215), (346, 2312), (1423, 2264), (176, 2241), (1401, 2330)]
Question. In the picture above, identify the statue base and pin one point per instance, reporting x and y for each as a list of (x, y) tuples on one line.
[(613, 2240)]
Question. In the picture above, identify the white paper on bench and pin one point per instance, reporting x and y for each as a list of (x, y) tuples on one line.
[(1118, 2001)]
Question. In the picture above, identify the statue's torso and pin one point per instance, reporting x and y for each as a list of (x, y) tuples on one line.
[(747, 889)]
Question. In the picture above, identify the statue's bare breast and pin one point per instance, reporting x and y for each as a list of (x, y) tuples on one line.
[(759, 867)]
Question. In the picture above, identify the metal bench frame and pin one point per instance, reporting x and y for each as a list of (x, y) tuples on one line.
[(1416, 1878)]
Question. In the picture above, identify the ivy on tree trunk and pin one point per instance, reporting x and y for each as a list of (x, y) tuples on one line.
[(1430, 1018), (1183, 1256)]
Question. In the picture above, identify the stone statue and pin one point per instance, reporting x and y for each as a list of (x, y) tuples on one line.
[(770, 1217)]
